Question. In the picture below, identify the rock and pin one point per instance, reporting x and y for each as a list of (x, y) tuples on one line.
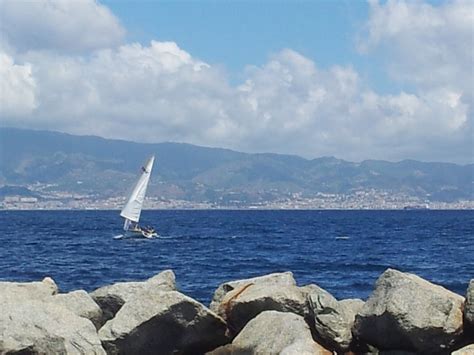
[(352, 306), (469, 308), (313, 289), (467, 350), (407, 312), (112, 297), (41, 327), (34, 319), (305, 347), (165, 280), (18, 291), (222, 350), (299, 347), (242, 304), (163, 322), (273, 332), (333, 320), (81, 304), (282, 279)]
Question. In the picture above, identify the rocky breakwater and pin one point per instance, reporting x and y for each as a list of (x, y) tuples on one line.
[(269, 314)]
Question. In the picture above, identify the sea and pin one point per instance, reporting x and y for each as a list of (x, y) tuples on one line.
[(343, 252)]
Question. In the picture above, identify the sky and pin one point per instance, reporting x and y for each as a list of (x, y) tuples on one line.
[(353, 79)]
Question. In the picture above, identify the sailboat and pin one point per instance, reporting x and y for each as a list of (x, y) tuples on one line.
[(133, 208)]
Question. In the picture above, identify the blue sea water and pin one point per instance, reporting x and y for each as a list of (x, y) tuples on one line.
[(341, 251)]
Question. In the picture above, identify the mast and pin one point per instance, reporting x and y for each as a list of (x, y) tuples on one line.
[(133, 208)]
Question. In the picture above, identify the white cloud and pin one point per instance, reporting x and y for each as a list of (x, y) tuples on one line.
[(424, 44), (17, 88), (149, 93), (430, 48), (61, 25), (160, 92), (324, 112)]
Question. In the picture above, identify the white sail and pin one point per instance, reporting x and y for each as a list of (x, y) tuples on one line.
[(133, 207)]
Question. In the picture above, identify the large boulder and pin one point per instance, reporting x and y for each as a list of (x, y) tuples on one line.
[(352, 305), (467, 350), (273, 332), (222, 350), (332, 319), (81, 304), (406, 312), (299, 347), (42, 327), (276, 279), (35, 319), (315, 291), (112, 297), (162, 322), (305, 347), (20, 291), (242, 304), (469, 308)]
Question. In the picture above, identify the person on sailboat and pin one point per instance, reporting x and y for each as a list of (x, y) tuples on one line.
[(136, 227)]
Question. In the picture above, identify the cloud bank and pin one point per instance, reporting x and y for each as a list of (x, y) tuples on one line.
[(76, 82), (59, 25)]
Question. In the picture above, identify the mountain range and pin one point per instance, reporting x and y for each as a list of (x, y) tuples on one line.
[(106, 167)]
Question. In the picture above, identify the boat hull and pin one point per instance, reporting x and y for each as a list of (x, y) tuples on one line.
[(137, 235)]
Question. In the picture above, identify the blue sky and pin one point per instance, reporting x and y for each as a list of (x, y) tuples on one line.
[(356, 79), (236, 34)]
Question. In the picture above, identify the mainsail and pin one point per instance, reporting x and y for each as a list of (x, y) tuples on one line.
[(133, 207)]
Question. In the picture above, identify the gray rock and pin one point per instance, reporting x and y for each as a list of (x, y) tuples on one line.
[(242, 304), (112, 297), (42, 327), (333, 320), (165, 280), (315, 290), (222, 350), (469, 307), (305, 347), (34, 319), (162, 322), (353, 306), (282, 279), (19, 291), (407, 312), (467, 350), (273, 332), (81, 304), (299, 347)]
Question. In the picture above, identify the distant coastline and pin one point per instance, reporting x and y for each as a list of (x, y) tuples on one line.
[(468, 206), (79, 173), (369, 201)]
